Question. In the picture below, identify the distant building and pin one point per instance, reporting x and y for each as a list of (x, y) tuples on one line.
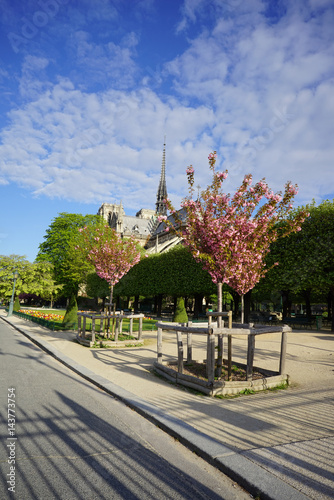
[(140, 225), (144, 226)]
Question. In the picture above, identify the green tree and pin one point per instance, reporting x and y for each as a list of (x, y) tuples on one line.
[(36, 278), (174, 273), (42, 281), (16, 306), (9, 264), (96, 287), (59, 248), (70, 319), (306, 259), (171, 273), (180, 315)]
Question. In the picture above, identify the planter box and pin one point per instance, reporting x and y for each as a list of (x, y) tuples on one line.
[(270, 380), (110, 343)]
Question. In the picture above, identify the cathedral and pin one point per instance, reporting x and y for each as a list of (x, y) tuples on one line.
[(144, 226)]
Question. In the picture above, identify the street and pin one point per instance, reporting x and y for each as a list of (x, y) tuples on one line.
[(63, 438)]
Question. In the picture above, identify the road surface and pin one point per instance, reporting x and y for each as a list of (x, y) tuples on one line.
[(62, 438)]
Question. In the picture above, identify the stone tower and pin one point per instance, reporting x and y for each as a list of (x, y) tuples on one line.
[(161, 208)]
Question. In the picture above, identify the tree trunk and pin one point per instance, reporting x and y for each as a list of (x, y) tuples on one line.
[(247, 305), (242, 308), (307, 297), (159, 305), (111, 297), (220, 302), (286, 303), (198, 305), (236, 301), (186, 302)]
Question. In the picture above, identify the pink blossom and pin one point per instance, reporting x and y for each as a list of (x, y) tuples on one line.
[(227, 234)]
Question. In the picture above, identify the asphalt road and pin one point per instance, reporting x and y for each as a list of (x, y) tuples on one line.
[(62, 438)]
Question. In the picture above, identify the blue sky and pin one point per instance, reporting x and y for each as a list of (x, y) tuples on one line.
[(90, 88)]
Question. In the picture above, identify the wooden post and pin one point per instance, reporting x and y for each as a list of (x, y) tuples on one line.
[(140, 328), (210, 358), (121, 323), (283, 353), (102, 325), (131, 326), (220, 355), (116, 329), (79, 324), (159, 345), (229, 319), (229, 347), (179, 352), (229, 357), (113, 321), (93, 329), (250, 356), (189, 343), (107, 323), (189, 347), (84, 327), (107, 327), (220, 303)]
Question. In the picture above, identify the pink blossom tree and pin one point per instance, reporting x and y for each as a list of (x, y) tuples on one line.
[(231, 235), (111, 255)]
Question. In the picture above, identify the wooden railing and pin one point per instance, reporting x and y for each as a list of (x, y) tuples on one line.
[(113, 324), (213, 365)]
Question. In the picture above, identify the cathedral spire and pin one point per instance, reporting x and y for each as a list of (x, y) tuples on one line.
[(161, 208)]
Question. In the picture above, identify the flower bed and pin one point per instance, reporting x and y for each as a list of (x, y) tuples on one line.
[(48, 320), (44, 315)]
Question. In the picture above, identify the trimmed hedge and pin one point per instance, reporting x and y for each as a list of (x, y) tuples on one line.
[(173, 273)]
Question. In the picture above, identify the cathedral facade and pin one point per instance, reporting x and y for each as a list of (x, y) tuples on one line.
[(144, 226)]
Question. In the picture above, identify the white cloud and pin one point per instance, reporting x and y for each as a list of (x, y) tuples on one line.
[(80, 146), (259, 93), (104, 63)]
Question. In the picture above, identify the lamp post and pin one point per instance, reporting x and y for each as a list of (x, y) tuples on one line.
[(11, 304)]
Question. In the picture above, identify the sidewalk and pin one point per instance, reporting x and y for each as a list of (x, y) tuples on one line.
[(279, 445)]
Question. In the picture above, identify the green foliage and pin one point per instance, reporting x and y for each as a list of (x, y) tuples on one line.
[(36, 278), (97, 287), (180, 315), (43, 283), (172, 273), (71, 315), (306, 258), (59, 248), (9, 264), (16, 306)]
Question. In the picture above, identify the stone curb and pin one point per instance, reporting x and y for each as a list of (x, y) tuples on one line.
[(252, 477)]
